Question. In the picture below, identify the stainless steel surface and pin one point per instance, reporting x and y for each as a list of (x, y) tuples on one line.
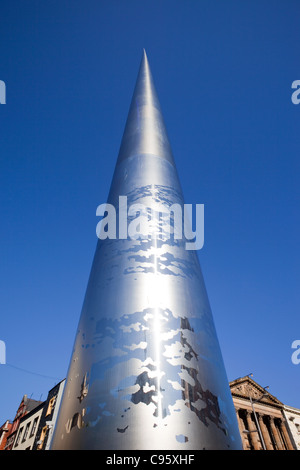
[(146, 371), (145, 131)]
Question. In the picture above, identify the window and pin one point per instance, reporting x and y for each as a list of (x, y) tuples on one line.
[(26, 431), (50, 406), (42, 438), (34, 426), (19, 436)]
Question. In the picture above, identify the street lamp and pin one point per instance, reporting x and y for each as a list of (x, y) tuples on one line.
[(254, 413), (255, 417)]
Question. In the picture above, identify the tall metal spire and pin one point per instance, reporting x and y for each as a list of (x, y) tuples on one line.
[(146, 371), (145, 131)]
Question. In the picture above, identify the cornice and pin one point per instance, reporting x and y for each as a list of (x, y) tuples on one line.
[(245, 387)]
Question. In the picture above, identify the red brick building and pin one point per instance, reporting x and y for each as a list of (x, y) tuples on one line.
[(5, 430), (26, 405)]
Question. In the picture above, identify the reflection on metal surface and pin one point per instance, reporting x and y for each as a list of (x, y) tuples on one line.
[(146, 370), (84, 390)]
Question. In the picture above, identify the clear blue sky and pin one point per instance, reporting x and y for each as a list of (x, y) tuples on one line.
[(223, 72)]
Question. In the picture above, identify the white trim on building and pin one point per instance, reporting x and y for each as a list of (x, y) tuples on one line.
[(292, 416), (27, 430)]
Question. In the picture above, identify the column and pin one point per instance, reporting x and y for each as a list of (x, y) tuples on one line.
[(241, 429), (285, 434), (275, 434), (253, 431), (265, 432)]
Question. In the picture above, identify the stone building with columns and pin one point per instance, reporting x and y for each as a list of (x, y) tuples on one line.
[(261, 417)]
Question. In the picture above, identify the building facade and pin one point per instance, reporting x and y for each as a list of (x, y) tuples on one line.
[(261, 417), (27, 430), (4, 432), (26, 405), (49, 414), (292, 416)]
